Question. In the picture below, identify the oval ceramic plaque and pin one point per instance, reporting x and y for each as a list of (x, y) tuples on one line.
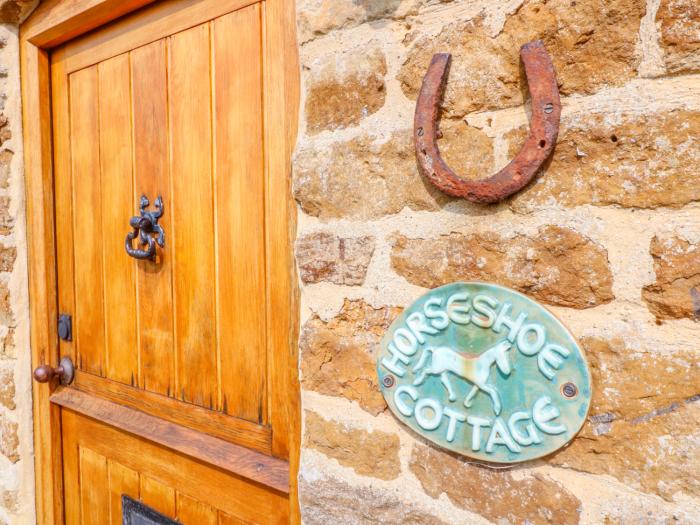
[(486, 372)]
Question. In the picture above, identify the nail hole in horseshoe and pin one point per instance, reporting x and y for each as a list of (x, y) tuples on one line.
[(613, 138), (543, 143)]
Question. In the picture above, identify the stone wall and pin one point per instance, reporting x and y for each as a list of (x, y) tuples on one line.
[(16, 457), (608, 237)]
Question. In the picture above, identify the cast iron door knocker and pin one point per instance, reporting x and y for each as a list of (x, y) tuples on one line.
[(544, 128), (144, 227)]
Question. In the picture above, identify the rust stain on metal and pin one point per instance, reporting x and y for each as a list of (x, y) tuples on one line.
[(544, 128)]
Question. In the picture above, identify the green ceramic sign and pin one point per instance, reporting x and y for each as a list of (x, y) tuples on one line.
[(486, 372)]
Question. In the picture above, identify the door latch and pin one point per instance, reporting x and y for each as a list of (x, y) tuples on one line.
[(65, 327)]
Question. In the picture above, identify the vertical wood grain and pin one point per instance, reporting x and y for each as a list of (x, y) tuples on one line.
[(194, 273), (152, 178), (122, 480), (121, 357), (158, 496), (94, 497), (239, 186), (87, 212), (281, 64), (71, 470), (63, 191), (36, 117), (189, 510)]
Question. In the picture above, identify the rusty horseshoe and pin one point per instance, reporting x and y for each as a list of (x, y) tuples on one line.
[(544, 127)]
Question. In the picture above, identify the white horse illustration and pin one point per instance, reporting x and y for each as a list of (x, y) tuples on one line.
[(474, 369)]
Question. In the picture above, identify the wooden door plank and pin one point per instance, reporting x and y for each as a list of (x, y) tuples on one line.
[(152, 178), (239, 182), (193, 238), (56, 21), (281, 65), (71, 470), (228, 493), (63, 193), (240, 461), (88, 321), (281, 107), (189, 510), (158, 496), (162, 19), (94, 497), (38, 175), (122, 480), (216, 424), (121, 356)]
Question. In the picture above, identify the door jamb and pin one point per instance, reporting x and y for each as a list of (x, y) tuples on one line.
[(53, 23)]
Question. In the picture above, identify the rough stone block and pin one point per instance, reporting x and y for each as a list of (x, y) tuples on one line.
[(323, 256), (679, 25), (557, 266), (644, 423), (369, 176), (344, 88), (642, 161), (7, 385), (319, 17), (336, 356), (592, 45), (6, 220), (499, 496), (326, 500), (676, 292), (8, 254), (374, 454), (9, 440), (15, 11)]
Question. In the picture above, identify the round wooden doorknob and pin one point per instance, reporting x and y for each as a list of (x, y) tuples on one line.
[(64, 371)]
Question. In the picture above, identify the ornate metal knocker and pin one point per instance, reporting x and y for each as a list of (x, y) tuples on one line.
[(544, 128), (144, 226)]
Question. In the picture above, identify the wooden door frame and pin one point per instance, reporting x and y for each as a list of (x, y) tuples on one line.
[(55, 22)]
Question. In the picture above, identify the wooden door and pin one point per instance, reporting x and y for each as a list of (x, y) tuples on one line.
[(183, 396)]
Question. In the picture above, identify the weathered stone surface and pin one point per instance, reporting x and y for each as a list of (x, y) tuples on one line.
[(557, 266), (591, 43), (8, 254), (9, 500), (679, 25), (15, 11), (631, 383), (496, 495), (467, 150), (336, 356), (676, 292), (327, 500), (6, 220), (7, 385), (344, 88), (9, 441), (5, 133), (644, 423), (5, 164), (322, 256), (6, 315), (318, 17), (374, 454), (7, 344), (644, 161), (368, 177)]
